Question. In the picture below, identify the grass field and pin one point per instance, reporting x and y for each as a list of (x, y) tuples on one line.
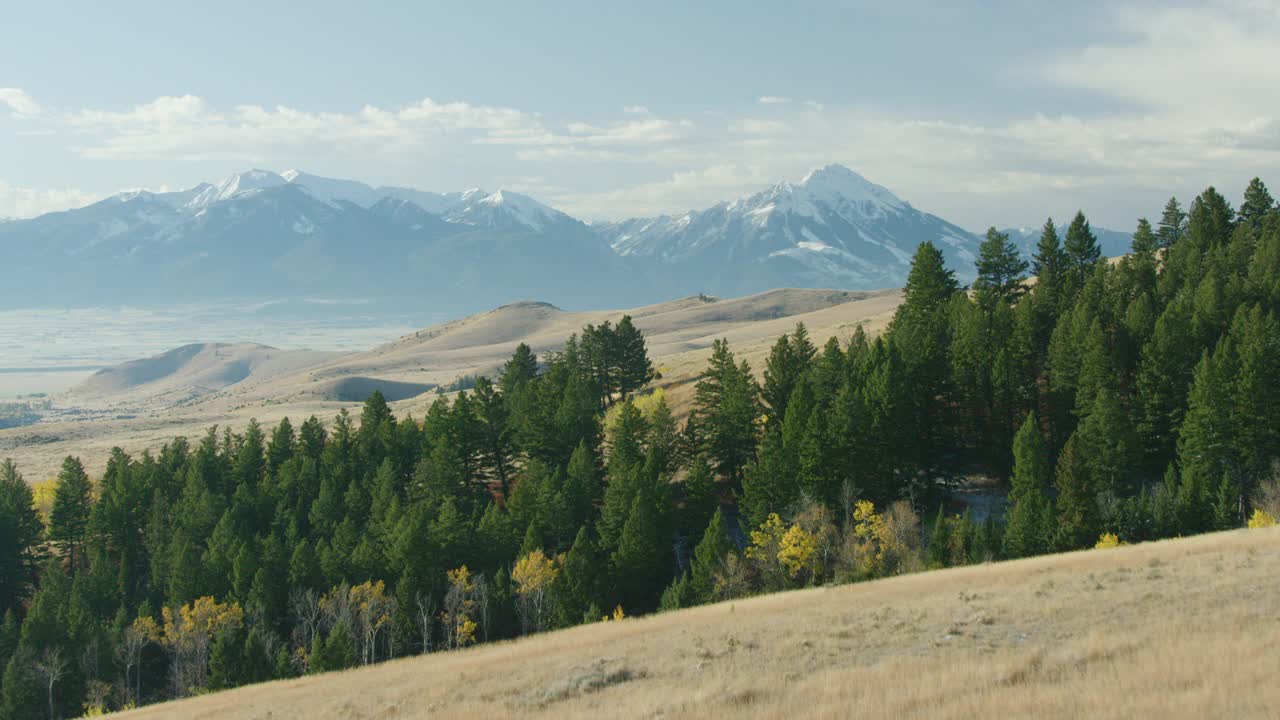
[(1181, 628)]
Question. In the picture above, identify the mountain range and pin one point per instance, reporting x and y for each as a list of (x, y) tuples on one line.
[(262, 235)]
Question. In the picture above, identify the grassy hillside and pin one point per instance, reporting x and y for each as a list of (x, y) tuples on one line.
[(1179, 628), (202, 391)]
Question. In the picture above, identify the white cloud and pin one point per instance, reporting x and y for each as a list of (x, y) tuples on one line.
[(23, 202), (649, 131), (635, 109), (814, 105), (751, 126), (20, 103), (690, 189), (773, 100), (1199, 63), (188, 127)]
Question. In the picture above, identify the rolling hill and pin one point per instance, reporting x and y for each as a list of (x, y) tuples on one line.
[(144, 403)]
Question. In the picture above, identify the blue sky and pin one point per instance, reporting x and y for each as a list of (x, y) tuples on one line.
[(984, 113)]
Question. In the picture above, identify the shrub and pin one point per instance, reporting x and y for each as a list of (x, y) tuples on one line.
[(1260, 519), (1109, 540)]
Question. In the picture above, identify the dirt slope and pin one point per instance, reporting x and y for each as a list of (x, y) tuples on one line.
[(1179, 629)]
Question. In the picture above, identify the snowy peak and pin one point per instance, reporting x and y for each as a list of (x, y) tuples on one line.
[(239, 183), (833, 228), (833, 191), (331, 190), (504, 209), (833, 182)]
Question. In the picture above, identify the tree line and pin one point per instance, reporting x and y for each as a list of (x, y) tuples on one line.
[(1118, 401)]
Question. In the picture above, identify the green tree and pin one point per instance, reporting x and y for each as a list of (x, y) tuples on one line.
[(789, 360), (1077, 505), (634, 369), (1257, 203), (1173, 224), (708, 556), (642, 563), (726, 407), (20, 535), (577, 587), (920, 333), (770, 484), (1144, 238), (700, 498), (519, 370), (1082, 253), (1204, 442), (497, 435), (69, 518), (1001, 270)]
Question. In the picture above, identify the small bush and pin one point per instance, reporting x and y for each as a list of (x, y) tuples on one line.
[(1109, 540), (1260, 519)]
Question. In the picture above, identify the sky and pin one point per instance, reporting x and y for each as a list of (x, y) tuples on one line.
[(984, 113)]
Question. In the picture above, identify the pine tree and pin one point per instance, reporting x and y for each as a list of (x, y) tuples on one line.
[(577, 586), (770, 483), (626, 437), (1049, 260), (1257, 203), (1077, 505), (1164, 374), (519, 370), (1082, 254), (20, 534), (69, 518), (919, 333), (939, 551), (1145, 241), (707, 558), (1226, 505), (726, 407), (642, 562), (282, 446), (781, 372), (582, 487), (1001, 270), (1031, 470), (1256, 393), (1204, 441), (677, 595), (1210, 221), (700, 498), (930, 285), (634, 367), (496, 433), (1173, 224), (1110, 445)]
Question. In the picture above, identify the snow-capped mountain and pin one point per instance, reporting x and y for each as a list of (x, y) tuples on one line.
[(834, 228), (258, 234)]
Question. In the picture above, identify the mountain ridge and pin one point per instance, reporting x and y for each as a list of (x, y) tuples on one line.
[(258, 234)]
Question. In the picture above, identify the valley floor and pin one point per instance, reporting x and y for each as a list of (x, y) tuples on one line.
[(1179, 628)]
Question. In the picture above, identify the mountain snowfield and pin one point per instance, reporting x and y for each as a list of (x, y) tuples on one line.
[(259, 234)]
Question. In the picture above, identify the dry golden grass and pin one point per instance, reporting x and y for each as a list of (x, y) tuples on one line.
[(1183, 628)]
